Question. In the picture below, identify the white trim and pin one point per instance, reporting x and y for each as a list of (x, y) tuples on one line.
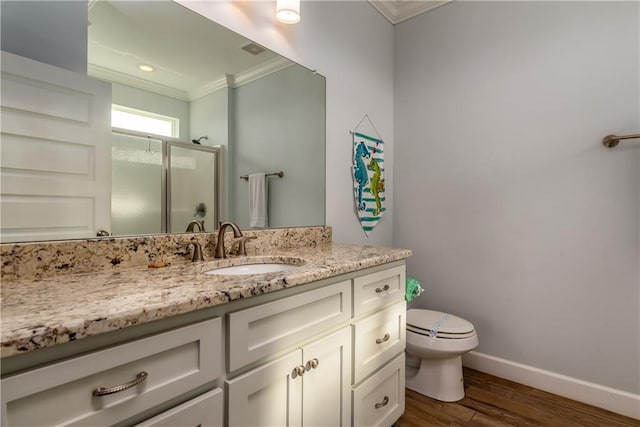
[(260, 71), (242, 78), (90, 4), (222, 82), (608, 398), (397, 11), (227, 80), (126, 79)]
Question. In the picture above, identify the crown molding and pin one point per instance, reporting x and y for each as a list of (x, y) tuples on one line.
[(261, 71), (222, 82), (137, 82), (240, 79), (228, 80), (397, 11)]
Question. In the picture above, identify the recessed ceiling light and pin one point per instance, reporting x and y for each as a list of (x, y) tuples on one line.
[(146, 67)]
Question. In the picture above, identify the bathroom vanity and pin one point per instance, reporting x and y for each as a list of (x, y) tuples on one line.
[(322, 344)]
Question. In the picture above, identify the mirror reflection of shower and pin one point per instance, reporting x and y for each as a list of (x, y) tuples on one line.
[(157, 182), (197, 141)]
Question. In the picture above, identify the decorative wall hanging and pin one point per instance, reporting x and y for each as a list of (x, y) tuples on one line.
[(368, 174)]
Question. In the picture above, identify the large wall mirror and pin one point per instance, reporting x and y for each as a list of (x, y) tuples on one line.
[(196, 109)]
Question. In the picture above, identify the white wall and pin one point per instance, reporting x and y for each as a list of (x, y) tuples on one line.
[(46, 31), (350, 44), (520, 220)]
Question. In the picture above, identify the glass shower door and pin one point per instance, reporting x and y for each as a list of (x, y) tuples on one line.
[(136, 186), (193, 186)]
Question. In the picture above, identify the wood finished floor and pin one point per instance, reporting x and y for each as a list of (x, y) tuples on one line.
[(496, 402)]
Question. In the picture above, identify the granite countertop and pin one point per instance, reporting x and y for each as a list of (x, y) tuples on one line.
[(42, 312)]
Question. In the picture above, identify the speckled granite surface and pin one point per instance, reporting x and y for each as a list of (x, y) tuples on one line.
[(44, 259), (40, 312)]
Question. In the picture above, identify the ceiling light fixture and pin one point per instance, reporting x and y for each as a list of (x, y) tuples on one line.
[(288, 11), (145, 67)]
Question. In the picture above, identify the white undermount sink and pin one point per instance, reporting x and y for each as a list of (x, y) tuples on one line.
[(257, 265)]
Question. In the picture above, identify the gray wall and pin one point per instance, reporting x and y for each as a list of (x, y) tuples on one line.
[(276, 128), (46, 31), (520, 220), (211, 115)]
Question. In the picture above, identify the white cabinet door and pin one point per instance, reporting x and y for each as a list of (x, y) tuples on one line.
[(56, 152), (275, 395), (270, 395), (326, 386)]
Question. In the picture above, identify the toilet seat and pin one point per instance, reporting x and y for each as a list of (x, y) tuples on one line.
[(442, 325)]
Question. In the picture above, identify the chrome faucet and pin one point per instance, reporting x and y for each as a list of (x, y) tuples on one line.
[(220, 251), (197, 251), (193, 224)]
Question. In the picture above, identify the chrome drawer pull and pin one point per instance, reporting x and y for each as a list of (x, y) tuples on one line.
[(101, 391), (383, 289), (383, 339), (383, 403), (299, 370), (312, 364)]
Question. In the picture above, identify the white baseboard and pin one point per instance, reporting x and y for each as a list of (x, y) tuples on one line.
[(618, 401)]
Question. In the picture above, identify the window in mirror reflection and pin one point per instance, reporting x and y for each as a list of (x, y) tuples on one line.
[(144, 121)]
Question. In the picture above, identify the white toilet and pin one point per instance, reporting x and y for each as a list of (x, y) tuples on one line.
[(435, 344)]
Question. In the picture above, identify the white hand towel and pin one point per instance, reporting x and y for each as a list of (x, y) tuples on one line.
[(258, 200)]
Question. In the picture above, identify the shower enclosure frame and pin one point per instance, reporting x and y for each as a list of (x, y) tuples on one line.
[(165, 176)]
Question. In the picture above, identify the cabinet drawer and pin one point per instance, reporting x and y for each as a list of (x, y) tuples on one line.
[(377, 339), (379, 401), (378, 289), (206, 410), (63, 393), (268, 328)]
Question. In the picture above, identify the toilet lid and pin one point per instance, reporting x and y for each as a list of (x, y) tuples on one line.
[(427, 320)]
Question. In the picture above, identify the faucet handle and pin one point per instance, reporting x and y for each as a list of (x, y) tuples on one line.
[(197, 251), (241, 249)]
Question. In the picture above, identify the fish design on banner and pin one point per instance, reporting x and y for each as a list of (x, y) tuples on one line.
[(368, 179)]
